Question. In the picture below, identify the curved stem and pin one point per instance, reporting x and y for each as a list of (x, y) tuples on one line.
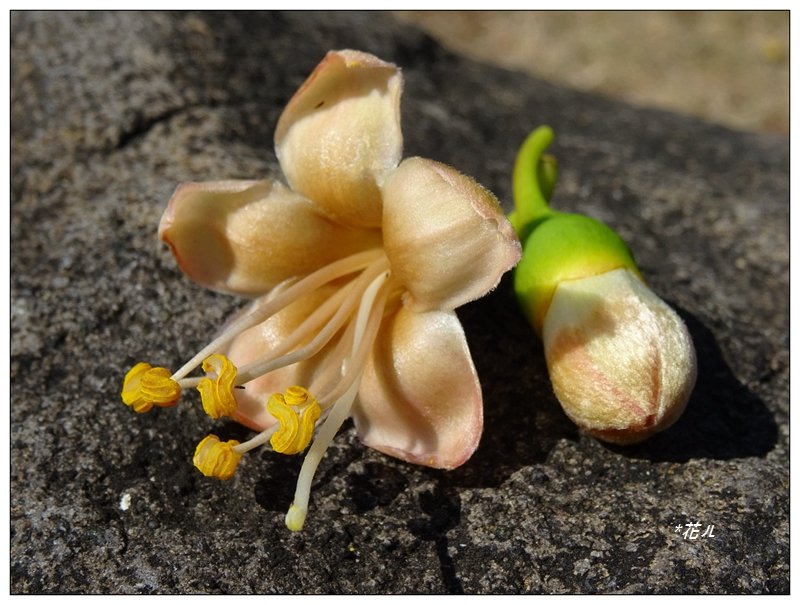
[(534, 178), (547, 172)]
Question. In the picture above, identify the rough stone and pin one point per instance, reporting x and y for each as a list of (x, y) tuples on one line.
[(111, 110)]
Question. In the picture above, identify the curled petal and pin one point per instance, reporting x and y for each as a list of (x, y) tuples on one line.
[(244, 237), (446, 236), (420, 399), (340, 135)]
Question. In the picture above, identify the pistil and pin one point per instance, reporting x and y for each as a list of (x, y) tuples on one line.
[(367, 322)]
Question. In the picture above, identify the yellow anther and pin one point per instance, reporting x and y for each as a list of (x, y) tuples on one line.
[(297, 412), (145, 386), (298, 396), (215, 458), (216, 389)]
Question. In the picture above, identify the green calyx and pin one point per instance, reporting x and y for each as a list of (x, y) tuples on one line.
[(556, 246), (562, 247)]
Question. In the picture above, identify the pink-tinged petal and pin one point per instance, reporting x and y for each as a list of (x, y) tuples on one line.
[(254, 344), (244, 237), (420, 399), (446, 237), (621, 361), (340, 135)]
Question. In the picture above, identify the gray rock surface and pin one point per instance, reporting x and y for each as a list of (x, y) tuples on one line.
[(111, 110)]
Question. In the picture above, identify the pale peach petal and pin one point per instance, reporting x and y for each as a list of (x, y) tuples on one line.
[(621, 361), (244, 237), (258, 341), (446, 236), (340, 135), (420, 399)]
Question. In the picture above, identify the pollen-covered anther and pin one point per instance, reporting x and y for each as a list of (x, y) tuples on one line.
[(297, 412), (215, 458), (216, 389), (145, 386)]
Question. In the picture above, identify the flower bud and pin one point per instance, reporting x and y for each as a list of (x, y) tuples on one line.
[(621, 361)]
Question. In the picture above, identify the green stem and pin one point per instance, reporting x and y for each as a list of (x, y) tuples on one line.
[(548, 175), (534, 179)]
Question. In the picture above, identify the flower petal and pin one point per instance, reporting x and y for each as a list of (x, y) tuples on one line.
[(420, 399), (244, 237), (445, 236), (255, 343), (340, 135)]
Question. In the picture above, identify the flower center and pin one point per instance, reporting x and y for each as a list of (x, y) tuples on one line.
[(353, 314)]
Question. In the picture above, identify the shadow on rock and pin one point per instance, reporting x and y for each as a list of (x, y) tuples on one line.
[(442, 513), (377, 485), (723, 419), (276, 491), (522, 418)]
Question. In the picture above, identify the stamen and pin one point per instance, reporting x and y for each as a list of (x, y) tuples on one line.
[(330, 374), (145, 386), (326, 274), (344, 301), (296, 515), (217, 459), (354, 365), (333, 378), (297, 412), (256, 441), (331, 311), (367, 322), (216, 389)]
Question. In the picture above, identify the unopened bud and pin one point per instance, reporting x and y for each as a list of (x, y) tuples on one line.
[(621, 361)]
